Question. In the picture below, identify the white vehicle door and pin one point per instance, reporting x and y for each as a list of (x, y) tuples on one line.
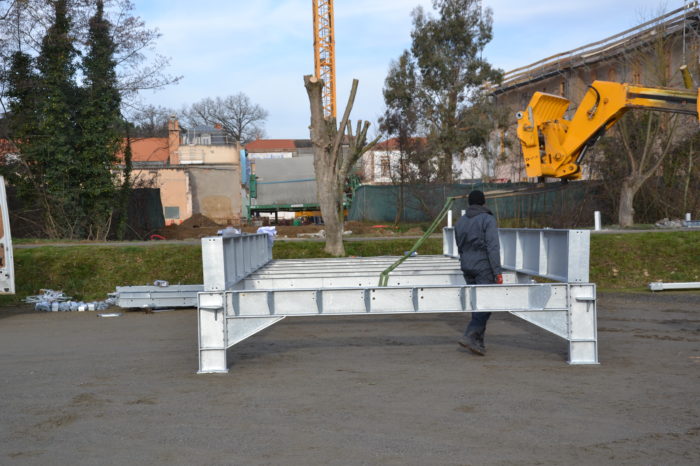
[(7, 265)]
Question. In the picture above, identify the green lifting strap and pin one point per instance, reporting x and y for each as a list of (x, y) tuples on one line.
[(384, 276)]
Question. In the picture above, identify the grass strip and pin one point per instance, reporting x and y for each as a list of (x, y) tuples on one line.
[(633, 260), (618, 261)]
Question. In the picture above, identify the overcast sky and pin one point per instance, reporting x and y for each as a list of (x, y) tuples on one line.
[(264, 47)]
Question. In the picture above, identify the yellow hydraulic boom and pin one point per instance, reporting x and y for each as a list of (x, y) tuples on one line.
[(553, 146)]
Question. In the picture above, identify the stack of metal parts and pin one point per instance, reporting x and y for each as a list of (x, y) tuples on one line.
[(57, 301)]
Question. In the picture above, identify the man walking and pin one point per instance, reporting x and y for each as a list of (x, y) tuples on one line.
[(476, 234)]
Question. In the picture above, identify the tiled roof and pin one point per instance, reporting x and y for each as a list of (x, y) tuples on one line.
[(149, 150), (393, 144), (271, 145)]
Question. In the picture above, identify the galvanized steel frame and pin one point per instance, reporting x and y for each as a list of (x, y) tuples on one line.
[(227, 260), (229, 317), (154, 297), (242, 299), (560, 255)]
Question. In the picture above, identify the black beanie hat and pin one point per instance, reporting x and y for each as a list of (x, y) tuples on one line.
[(477, 197)]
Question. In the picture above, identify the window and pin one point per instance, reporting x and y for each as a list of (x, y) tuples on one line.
[(385, 166), (172, 212)]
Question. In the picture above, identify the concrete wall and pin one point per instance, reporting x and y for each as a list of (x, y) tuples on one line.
[(216, 193), (203, 154), (286, 181), (270, 155), (211, 191), (175, 189)]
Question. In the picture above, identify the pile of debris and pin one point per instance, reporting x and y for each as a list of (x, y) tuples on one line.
[(197, 226), (57, 301), (668, 223)]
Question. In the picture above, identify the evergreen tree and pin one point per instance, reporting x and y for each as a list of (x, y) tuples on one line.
[(449, 69), (21, 118), (21, 93), (101, 125), (52, 158), (125, 190), (402, 119)]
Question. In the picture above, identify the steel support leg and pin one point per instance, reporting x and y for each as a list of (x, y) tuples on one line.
[(219, 330), (211, 320), (583, 334)]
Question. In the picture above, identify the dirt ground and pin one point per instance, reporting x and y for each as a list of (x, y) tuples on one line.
[(199, 226), (78, 389)]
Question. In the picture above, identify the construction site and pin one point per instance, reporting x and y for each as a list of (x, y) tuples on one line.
[(238, 334)]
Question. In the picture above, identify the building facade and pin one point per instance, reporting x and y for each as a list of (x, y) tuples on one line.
[(382, 164), (198, 171), (650, 54), (278, 148)]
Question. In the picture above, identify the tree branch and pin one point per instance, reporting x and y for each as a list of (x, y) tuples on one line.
[(346, 116)]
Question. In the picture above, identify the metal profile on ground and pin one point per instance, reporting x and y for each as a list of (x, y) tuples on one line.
[(661, 286), (155, 297), (421, 284), (226, 260)]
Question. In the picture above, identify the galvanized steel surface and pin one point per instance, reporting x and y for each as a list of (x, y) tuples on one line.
[(660, 286), (241, 301), (154, 297), (226, 261), (561, 255)]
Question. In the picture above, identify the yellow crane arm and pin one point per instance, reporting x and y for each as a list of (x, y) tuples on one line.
[(324, 52), (553, 146)]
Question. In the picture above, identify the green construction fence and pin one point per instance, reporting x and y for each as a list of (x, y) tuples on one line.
[(557, 204)]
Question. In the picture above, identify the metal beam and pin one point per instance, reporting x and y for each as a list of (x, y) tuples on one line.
[(228, 317), (660, 286), (227, 260), (560, 255), (153, 297), (240, 301)]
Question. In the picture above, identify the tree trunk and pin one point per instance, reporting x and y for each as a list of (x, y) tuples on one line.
[(445, 168), (626, 211), (331, 163), (323, 133), (326, 185)]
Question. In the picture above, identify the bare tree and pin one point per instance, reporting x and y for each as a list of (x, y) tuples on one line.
[(150, 121), (644, 139), (237, 114), (23, 24), (331, 163)]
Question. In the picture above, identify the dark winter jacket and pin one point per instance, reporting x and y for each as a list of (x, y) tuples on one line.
[(477, 241)]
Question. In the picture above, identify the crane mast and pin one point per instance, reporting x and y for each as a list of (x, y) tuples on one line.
[(324, 53)]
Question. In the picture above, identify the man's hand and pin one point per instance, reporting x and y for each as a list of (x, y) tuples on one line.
[(499, 279)]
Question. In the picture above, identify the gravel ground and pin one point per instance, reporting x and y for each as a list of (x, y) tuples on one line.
[(78, 389)]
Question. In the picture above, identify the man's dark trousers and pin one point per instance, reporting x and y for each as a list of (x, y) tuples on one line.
[(478, 323)]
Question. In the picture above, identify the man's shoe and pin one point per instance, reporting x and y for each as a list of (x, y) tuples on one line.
[(472, 343)]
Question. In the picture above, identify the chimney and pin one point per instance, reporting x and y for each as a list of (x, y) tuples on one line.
[(174, 140)]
